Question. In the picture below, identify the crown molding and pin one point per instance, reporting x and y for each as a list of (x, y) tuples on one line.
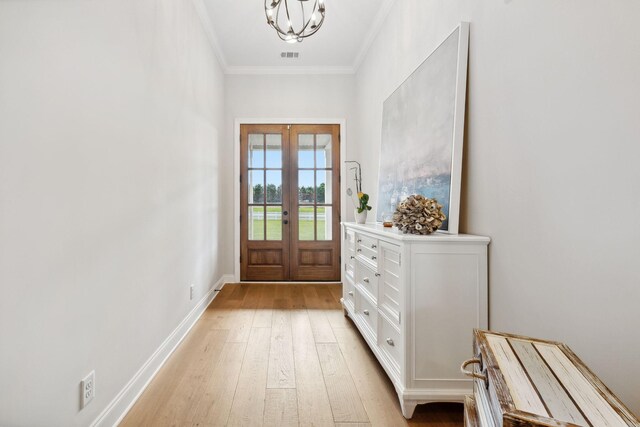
[(203, 14), (207, 26), (378, 21), (253, 70)]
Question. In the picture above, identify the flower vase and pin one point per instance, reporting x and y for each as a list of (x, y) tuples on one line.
[(361, 217)]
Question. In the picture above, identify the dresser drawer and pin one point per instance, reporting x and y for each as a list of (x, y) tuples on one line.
[(368, 279), (348, 293), (390, 342), (365, 241), (367, 248), (367, 312)]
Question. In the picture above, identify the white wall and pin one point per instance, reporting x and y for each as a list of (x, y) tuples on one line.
[(110, 123), (284, 97), (551, 166)]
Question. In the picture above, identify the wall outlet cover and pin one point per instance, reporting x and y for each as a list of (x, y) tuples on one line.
[(88, 389)]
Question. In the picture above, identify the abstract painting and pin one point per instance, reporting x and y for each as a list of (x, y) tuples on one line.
[(422, 132)]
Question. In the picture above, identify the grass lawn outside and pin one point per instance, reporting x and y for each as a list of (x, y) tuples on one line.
[(274, 223)]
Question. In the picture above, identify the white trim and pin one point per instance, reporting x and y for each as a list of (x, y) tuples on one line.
[(378, 21), (367, 41), (122, 403), (207, 26), (280, 70), (236, 171)]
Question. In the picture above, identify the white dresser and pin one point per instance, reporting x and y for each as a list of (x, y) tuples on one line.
[(416, 301)]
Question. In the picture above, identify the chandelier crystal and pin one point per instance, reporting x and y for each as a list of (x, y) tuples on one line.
[(294, 20)]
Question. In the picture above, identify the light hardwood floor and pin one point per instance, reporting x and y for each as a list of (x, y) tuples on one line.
[(277, 355)]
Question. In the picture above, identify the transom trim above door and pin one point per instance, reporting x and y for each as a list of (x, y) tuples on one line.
[(290, 202)]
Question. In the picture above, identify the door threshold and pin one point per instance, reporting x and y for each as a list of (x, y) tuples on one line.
[(311, 282)]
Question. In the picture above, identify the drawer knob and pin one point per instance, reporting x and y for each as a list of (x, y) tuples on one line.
[(350, 293), (366, 312), (373, 257), (390, 342), (474, 361), (359, 250), (365, 280), (352, 257), (359, 240), (373, 246), (377, 274)]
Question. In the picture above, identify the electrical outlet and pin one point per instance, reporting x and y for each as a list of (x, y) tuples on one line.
[(191, 292), (88, 388)]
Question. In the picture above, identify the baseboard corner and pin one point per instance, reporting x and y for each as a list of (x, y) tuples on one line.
[(118, 408)]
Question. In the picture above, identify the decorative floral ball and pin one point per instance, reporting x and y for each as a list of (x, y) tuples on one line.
[(418, 215)]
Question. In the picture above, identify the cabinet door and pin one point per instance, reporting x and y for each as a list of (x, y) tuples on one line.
[(446, 299), (389, 282)]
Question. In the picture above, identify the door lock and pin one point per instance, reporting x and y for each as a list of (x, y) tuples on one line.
[(285, 213), (286, 221)]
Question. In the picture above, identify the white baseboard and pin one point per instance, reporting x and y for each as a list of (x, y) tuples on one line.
[(122, 403)]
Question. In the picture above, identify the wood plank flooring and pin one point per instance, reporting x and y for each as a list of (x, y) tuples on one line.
[(277, 355)]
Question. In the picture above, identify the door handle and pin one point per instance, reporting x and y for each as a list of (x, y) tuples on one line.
[(286, 221), (285, 213)]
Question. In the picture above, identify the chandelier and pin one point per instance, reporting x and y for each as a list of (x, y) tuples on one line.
[(281, 15)]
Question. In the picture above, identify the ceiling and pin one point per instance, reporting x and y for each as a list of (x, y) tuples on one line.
[(245, 44)]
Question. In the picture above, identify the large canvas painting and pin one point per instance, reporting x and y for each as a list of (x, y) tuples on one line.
[(422, 132)]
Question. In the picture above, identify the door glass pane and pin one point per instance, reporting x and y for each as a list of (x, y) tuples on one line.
[(323, 186), (305, 187), (305, 151), (323, 222), (323, 150), (256, 223), (274, 186), (274, 151), (256, 186), (274, 222), (305, 223), (256, 150)]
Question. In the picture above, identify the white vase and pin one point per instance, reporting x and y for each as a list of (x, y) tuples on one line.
[(361, 217)]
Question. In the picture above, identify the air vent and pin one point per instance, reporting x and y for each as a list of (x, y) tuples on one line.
[(289, 55)]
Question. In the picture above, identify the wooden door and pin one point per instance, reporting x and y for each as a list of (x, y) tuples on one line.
[(315, 198), (290, 204), (264, 195)]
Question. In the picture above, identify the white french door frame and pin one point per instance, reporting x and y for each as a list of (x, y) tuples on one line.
[(236, 172)]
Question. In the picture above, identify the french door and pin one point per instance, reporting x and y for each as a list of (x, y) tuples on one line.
[(290, 202)]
